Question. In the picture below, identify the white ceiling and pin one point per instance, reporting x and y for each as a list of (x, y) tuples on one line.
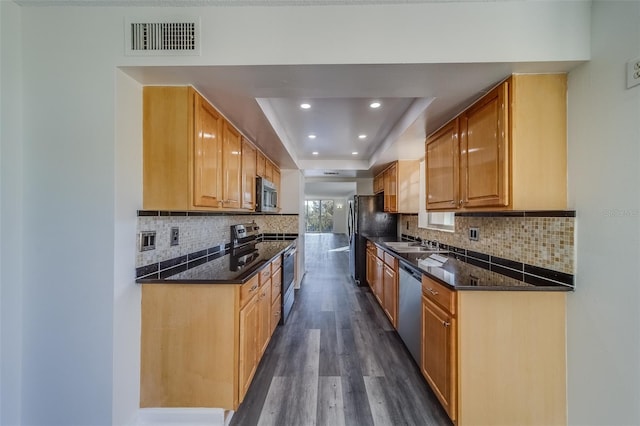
[(263, 101)]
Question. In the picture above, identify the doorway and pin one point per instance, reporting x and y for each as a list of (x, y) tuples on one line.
[(318, 216)]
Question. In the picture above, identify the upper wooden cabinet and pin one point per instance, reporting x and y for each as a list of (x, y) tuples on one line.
[(509, 149), (231, 171), (261, 161), (401, 185), (186, 146), (442, 166), (249, 159)]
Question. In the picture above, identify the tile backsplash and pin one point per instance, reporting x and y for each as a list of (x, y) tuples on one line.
[(201, 232), (547, 242)]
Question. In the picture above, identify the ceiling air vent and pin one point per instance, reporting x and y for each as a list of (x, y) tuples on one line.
[(331, 173), (170, 37)]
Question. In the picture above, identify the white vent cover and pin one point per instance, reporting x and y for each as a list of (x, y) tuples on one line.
[(165, 37)]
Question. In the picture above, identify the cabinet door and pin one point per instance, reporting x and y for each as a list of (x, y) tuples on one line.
[(248, 175), (438, 354), (390, 289), (268, 170), (207, 185), (371, 267), (248, 344), (231, 167), (264, 322), (392, 189), (442, 168), (260, 164), (378, 290), (484, 151)]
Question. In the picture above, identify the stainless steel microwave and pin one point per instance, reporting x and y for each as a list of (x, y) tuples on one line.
[(266, 195)]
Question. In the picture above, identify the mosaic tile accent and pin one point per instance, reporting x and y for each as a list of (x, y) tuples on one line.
[(546, 242), (202, 232)]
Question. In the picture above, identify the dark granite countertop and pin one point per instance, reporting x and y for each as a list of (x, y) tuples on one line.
[(457, 274), (225, 268)]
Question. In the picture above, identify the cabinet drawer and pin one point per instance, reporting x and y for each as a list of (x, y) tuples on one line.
[(439, 294), (248, 290), (277, 263), (265, 274), (390, 260), (380, 253)]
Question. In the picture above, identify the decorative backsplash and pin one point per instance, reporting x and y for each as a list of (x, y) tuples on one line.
[(200, 232), (547, 242)]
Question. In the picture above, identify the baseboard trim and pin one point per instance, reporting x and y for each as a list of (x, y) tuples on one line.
[(183, 417)]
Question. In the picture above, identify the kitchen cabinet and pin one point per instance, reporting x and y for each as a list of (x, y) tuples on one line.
[(382, 277), (442, 166), (514, 341), (390, 292), (231, 170), (248, 175), (249, 343), (201, 343), (191, 154), (261, 162), (400, 183), (438, 361), (378, 183), (390, 179), (511, 150), (264, 314), (268, 170)]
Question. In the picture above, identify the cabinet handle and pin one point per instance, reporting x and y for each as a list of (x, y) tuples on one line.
[(432, 291), (254, 288), (453, 202), (446, 324)]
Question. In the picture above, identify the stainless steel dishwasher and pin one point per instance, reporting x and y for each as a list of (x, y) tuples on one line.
[(410, 310)]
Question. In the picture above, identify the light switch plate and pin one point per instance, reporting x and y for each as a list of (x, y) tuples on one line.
[(633, 73), (147, 240), (175, 236)]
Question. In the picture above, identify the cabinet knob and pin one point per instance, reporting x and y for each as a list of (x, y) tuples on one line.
[(445, 323)]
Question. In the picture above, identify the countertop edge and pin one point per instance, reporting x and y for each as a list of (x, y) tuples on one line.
[(239, 281), (556, 288)]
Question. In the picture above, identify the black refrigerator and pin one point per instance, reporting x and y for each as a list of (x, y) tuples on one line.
[(366, 217)]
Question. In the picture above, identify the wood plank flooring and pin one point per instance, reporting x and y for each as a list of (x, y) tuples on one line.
[(337, 361)]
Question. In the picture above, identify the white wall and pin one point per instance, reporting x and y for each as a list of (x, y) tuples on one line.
[(340, 216), (11, 213), (604, 157), (63, 188), (127, 295)]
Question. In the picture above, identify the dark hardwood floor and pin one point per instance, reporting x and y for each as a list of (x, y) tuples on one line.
[(337, 360)]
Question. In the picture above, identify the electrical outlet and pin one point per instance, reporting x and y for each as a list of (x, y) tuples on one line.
[(175, 236), (147, 240), (474, 234), (633, 73)]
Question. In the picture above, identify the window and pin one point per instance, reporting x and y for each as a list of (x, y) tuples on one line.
[(443, 221), (318, 215)]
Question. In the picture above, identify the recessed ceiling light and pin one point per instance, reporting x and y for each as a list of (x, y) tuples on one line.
[(354, 153), (375, 104), (363, 136), (312, 136), (315, 152), (305, 106)]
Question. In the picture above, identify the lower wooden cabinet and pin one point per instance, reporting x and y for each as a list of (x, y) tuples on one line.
[(249, 320), (495, 357), (438, 354), (201, 343), (264, 314), (390, 292)]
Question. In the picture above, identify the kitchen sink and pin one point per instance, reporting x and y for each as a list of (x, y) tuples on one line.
[(412, 247)]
